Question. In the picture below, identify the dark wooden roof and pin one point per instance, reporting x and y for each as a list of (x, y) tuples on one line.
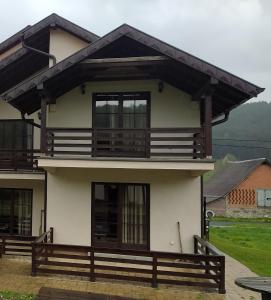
[(184, 71), (52, 20), (230, 177), (23, 63)]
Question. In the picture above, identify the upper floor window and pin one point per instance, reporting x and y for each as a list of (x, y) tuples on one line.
[(264, 198)]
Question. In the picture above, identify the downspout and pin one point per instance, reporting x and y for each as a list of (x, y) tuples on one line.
[(225, 119), (51, 56)]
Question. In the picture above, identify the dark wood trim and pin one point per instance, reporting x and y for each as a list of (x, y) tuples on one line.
[(208, 125), (43, 120), (45, 202)]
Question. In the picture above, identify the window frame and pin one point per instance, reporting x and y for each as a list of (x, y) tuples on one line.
[(13, 190), (119, 244)]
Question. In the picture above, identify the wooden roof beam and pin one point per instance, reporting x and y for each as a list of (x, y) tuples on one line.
[(207, 89)]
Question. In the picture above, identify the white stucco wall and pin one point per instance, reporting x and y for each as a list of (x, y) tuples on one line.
[(8, 112), (171, 108), (38, 198), (174, 196), (63, 44)]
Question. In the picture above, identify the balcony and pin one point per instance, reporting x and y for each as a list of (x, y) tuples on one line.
[(15, 160), (182, 143)]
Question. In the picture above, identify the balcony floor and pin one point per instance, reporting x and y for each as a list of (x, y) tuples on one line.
[(198, 165)]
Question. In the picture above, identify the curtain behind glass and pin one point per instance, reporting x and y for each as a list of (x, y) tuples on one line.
[(134, 215)]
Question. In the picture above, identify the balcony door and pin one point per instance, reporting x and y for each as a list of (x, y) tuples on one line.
[(120, 215), (16, 138), (120, 121)]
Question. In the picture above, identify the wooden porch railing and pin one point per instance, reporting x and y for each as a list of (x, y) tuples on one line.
[(14, 159), (16, 245), (202, 247), (150, 142), (150, 267)]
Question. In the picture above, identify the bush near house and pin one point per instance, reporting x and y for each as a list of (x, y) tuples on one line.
[(248, 242)]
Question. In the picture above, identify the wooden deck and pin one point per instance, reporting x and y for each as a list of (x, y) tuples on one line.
[(60, 294)]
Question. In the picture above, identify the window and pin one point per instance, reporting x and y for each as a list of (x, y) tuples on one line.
[(128, 111), (264, 198), (15, 211), (120, 215)]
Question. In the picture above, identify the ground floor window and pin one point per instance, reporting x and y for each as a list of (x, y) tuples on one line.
[(264, 198), (15, 211), (120, 215)]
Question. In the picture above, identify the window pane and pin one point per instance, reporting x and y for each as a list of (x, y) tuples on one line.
[(141, 106), (100, 106), (22, 212), (107, 121), (5, 210), (128, 121), (106, 213), (134, 211), (128, 106)]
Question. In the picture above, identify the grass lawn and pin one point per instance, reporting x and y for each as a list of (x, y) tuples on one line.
[(249, 243), (7, 295)]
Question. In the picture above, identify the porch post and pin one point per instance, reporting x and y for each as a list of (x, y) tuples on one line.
[(44, 100), (208, 125)]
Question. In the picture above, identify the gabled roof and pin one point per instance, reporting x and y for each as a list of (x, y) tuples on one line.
[(230, 177), (242, 88), (23, 63), (51, 20)]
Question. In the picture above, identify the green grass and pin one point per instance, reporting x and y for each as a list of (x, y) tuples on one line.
[(249, 243), (7, 295), (247, 220)]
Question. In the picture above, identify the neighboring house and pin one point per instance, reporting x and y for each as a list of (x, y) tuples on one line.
[(105, 141), (241, 189)]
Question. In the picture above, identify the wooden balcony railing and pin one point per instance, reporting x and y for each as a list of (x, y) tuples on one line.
[(13, 159), (151, 142)]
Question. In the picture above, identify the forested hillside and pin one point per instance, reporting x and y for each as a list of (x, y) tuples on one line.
[(247, 133)]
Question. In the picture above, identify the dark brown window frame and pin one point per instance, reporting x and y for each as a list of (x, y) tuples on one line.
[(119, 244), (12, 209)]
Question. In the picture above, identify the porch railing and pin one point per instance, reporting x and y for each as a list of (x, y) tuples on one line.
[(15, 159), (16, 245), (151, 267), (150, 142)]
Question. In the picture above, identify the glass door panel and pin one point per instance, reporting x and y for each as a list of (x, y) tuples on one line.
[(5, 210), (22, 212), (106, 214)]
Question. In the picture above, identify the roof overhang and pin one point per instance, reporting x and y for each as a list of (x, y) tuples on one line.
[(181, 70)]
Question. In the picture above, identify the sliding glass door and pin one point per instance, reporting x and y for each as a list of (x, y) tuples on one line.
[(15, 211), (120, 215)]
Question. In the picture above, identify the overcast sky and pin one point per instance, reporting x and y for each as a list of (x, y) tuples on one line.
[(232, 34)]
